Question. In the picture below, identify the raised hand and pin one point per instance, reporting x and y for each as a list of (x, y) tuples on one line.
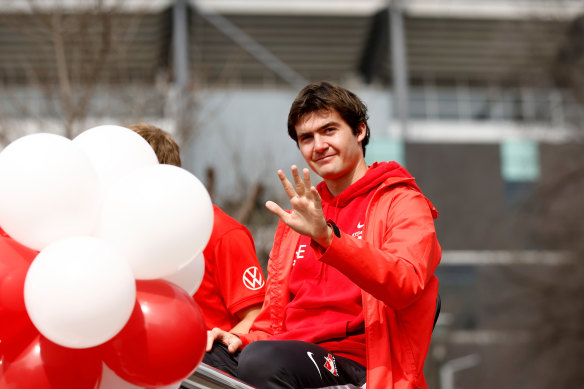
[(306, 216)]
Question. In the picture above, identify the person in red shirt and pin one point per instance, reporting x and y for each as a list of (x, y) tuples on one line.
[(351, 292), (233, 286)]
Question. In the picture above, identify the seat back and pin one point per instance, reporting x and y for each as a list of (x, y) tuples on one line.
[(437, 313)]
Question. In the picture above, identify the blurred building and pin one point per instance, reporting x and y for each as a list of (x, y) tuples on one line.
[(477, 98)]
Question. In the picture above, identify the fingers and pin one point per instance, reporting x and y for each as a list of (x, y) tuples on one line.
[(298, 183), (211, 336), (316, 197), (307, 182), (288, 188), (230, 340), (301, 185), (216, 334), (276, 209), (234, 344)]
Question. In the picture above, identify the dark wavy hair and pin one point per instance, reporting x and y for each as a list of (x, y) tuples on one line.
[(323, 96)]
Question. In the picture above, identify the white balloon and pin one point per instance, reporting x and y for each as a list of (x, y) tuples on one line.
[(190, 276), (79, 292), (48, 190), (159, 217), (114, 151)]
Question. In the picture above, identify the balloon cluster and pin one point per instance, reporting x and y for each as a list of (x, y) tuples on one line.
[(100, 253)]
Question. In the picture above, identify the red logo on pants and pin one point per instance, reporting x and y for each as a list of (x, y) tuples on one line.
[(331, 365)]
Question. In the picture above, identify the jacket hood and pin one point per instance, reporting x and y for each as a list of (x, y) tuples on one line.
[(378, 173)]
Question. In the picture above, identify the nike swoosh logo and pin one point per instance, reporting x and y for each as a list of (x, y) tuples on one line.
[(313, 361), (359, 225)]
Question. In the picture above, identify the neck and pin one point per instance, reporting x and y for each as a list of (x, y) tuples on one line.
[(337, 185)]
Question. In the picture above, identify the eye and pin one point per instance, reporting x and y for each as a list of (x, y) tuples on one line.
[(304, 138)]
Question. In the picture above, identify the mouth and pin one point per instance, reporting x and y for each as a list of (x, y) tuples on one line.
[(323, 159)]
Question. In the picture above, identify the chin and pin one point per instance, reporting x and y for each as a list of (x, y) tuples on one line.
[(320, 170), (328, 175)]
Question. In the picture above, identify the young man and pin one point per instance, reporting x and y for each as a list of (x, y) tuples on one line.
[(232, 290), (351, 292)]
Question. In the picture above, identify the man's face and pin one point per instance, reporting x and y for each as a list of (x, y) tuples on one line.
[(328, 144)]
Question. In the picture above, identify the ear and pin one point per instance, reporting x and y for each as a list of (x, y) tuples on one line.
[(362, 131)]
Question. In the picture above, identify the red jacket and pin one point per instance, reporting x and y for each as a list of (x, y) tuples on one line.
[(394, 266)]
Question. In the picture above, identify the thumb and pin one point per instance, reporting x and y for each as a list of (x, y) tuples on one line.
[(276, 209)]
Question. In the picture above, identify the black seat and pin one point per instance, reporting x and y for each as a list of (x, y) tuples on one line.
[(437, 313)]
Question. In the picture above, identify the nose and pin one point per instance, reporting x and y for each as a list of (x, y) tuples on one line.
[(320, 144)]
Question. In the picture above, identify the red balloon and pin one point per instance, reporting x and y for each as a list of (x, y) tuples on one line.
[(164, 340), (15, 259), (29, 360), (22, 250)]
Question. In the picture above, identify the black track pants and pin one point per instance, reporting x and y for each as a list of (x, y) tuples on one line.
[(287, 364)]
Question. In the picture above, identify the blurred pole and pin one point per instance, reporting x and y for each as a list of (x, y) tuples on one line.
[(180, 43), (448, 369), (399, 64), (181, 68)]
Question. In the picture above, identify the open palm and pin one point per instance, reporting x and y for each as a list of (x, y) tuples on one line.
[(306, 216)]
